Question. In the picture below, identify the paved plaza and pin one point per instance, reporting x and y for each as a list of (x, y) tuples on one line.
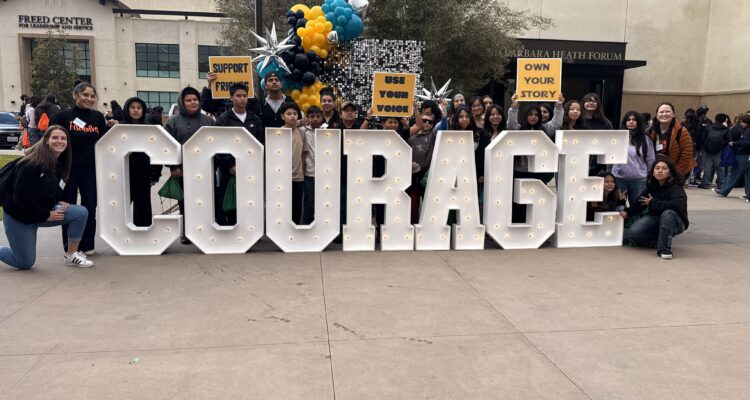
[(596, 323)]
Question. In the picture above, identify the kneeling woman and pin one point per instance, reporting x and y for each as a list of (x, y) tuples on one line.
[(667, 210), (35, 202)]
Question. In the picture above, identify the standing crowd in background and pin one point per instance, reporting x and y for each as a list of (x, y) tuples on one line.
[(666, 153)]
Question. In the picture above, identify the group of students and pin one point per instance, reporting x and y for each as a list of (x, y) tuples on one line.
[(647, 189)]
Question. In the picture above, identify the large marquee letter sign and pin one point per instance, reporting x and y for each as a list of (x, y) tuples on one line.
[(279, 226), (451, 185), (363, 191), (575, 188), (500, 189), (199, 181), (113, 184)]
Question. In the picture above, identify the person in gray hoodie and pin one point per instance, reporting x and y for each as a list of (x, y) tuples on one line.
[(182, 126), (631, 177)]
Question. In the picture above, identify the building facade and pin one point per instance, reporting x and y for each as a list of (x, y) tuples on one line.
[(688, 52)]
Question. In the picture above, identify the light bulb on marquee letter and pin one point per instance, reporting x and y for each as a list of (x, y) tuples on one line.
[(198, 180), (452, 185), (289, 236), (113, 189), (500, 190), (363, 191), (575, 188)]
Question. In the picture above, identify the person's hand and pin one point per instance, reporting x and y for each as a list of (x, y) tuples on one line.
[(233, 171), (405, 122), (623, 195), (56, 216), (415, 167), (303, 122), (645, 200), (731, 143), (210, 77), (444, 106), (623, 214), (369, 114), (153, 183), (514, 101), (64, 206), (112, 122), (177, 173), (560, 100)]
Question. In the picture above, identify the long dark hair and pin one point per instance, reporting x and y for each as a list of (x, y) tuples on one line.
[(674, 177), (614, 196), (566, 118), (453, 123), (549, 108), (599, 112), (638, 137), (42, 156), (487, 130), (524, 121)]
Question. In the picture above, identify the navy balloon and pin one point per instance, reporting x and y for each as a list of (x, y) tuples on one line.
[(308, 78)]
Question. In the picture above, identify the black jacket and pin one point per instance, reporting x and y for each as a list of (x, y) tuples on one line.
[(82, 138), (269, 117), (252, 123), (35, 193), (671, 196), (142, 173), (596, 124), (743, 146), (714, 139)]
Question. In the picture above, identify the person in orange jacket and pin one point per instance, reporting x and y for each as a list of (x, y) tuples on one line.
[(672, 140)]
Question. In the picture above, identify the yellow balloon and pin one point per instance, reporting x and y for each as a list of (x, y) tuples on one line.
[(305, 9), (295, 94), (303, 98), (301, 32), (329, 26), (316, 12), (319, 39), (320, 27), (323, 53)]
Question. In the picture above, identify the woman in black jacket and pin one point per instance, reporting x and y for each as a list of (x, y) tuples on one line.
[(667, 210), (35, 201), (85, 125), (143, 175)]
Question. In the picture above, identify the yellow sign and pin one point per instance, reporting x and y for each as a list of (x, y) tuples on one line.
[(393, 94), (230, 70), (538, 79)]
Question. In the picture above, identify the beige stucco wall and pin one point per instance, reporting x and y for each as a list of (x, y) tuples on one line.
[(112, 51)]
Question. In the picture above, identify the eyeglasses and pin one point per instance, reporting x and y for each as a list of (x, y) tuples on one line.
[(427, 121)]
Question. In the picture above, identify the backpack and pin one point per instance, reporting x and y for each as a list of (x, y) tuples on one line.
[(43, 123), (8, 175), (714, 141)]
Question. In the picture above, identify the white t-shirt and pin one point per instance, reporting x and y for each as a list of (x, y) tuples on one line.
[(275, 104), (242, 116), (310, 149)]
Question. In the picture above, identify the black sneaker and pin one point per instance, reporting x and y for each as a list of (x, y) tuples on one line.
[(665, 255)]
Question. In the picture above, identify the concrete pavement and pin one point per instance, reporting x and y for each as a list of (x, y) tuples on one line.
[(607, 323)]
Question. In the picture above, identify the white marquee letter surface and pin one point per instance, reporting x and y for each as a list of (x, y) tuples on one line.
[(113, 189), (363, 191), (500, 190), (575, 188), (279, 226), (199, 181), (451, 185)]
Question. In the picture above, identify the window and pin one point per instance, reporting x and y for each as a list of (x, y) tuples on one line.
[(163, 99), (207, 51), (157, 60), (70, 49)]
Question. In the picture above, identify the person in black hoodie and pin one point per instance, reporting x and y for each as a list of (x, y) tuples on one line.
[(85, 125), (143, 175), (667, 210), (713, 143), (594, 120), (35, 201), (239, 115), (182, 126)]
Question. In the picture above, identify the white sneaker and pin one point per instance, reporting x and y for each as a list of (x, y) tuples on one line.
[(78, 259), (90, 253)]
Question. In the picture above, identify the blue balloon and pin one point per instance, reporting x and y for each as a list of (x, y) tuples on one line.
[(339, 11), (348, 12), (325, 8), (353, 28), (341, 21), (331, 17)]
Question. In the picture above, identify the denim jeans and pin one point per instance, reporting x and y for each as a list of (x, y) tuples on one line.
[(35, 135), (22, 237), (741, 171), (634, 187), (711, 163), (656, 231), (309, 212)]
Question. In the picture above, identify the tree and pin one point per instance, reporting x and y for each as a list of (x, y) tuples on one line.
[(465, 40), (51, 72)]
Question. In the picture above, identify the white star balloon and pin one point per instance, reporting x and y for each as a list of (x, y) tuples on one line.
[(271, 49), (436, 94)]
